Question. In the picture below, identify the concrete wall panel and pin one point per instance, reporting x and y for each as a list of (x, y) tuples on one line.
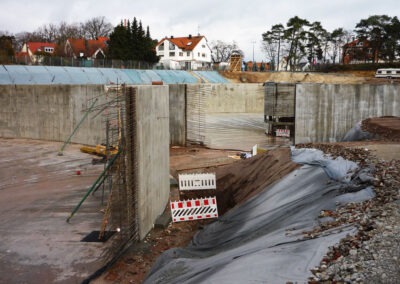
[(326, 112), (236, 98), (50, 112), (177, 114), (152, 140)]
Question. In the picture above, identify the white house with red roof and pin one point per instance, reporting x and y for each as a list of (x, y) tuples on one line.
[(32, 49), (188, 53)]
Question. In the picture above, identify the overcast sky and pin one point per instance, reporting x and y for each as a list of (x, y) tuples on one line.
[(227, 20)]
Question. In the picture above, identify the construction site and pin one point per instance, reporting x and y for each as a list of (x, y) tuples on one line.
[(168, 176)]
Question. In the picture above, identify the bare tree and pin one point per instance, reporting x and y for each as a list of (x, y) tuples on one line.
[(96, 27), (221, 51)]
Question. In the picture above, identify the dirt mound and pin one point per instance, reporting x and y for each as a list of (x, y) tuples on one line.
[(387, 126), (292, 77), (238, 182)]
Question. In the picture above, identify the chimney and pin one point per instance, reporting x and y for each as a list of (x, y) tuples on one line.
[(172, 36), (190, 36)]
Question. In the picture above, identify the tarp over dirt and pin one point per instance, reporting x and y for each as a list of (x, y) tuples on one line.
[(262, 240)]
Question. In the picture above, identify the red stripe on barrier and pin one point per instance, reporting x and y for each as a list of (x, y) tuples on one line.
[(182, 219), (197, 202), (180, 205), (206, 202), (213, 200), (189, 204), (190, 218), (215, 215), (208, 216), (172, 206), (199, 217)]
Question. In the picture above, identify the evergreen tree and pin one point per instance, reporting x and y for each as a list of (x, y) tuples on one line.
[(132, 43)]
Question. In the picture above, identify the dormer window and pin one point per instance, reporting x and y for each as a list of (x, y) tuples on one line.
[(360, 43), (161, 46), (189, 43), (171, 46)]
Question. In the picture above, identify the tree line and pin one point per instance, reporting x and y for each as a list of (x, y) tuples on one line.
[(128, 42), (304, 41)]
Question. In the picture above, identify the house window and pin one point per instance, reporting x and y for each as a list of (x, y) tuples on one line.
[(379, 72), (172, 54), (203, 46), (360, 43), (161, 46), (398, 72), (180, 53), (203, 55), (188, 53), (198, 54), (369, 50), (171, 46), (161, 56), (48, 49)]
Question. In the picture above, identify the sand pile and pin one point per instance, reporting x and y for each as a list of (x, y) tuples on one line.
[(387, 126)]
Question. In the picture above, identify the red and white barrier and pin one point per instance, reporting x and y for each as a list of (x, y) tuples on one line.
[(197, 181), (195, 209), (283, 132)]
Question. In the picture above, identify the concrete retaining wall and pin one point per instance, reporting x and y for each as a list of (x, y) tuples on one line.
[(50, 112), (177, 114), (325, 112), (152, 140), (236, 98)]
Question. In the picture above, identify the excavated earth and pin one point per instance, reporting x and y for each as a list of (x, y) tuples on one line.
[(305, 77), (387, 127), (236, 182)]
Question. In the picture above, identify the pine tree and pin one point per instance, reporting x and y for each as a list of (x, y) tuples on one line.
[(132, 43)]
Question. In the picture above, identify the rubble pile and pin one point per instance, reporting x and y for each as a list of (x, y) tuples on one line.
[(371, 253)]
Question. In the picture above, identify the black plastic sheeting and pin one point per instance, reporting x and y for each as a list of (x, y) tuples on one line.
[(357, 134), (261, 241)]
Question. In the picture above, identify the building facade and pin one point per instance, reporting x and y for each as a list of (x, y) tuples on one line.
[(184, 53)]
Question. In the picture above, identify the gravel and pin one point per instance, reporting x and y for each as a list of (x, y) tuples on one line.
[(372, 255)]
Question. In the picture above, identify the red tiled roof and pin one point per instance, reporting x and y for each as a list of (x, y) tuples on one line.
[(39, 46), (88, 47), (182, 42)]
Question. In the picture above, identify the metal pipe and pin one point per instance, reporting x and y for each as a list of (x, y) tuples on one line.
[(93, 186), (60, 153)]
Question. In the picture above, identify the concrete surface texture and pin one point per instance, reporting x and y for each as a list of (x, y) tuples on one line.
[(50, 112), (236, 98), (152, 140), (177, 114), (325, 112), (38, 191)]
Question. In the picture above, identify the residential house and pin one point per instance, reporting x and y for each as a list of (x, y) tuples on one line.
[(188, 53), (359, 51), (33, 52), (86, 49)]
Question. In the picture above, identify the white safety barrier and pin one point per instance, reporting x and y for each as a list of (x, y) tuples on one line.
[(283, 132), (197, 181), (195, 209)]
